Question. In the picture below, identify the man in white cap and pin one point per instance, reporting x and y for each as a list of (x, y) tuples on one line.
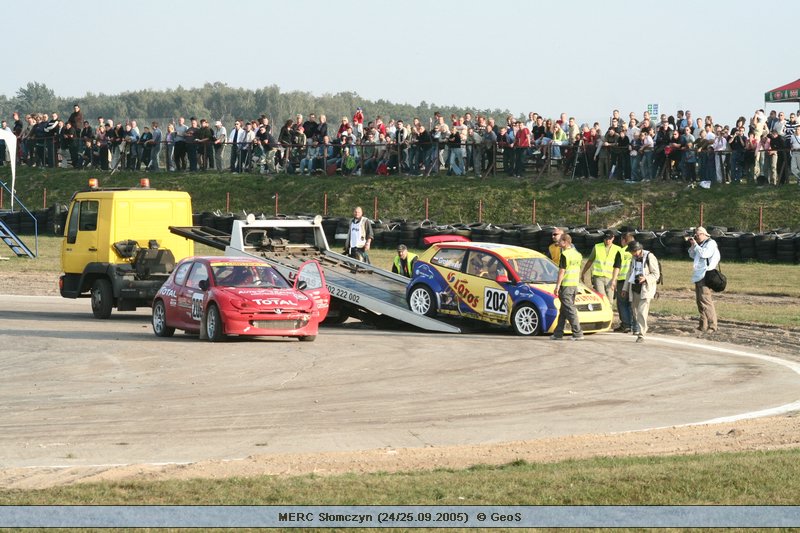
[(703, 249), (640, 286), (220, 138)]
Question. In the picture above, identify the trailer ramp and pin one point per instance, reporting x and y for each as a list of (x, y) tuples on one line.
[(354, 284)]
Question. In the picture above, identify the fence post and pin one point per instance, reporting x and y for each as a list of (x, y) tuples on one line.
[(533, 212), (761, 219), (587, 212), (1, 198), (227, 202), (375, 209), (702, 206), (426, 209), (641, 217), (325, 204), (480, 211), (276, 204)]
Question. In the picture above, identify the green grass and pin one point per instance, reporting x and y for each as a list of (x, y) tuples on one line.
[(450, 199), (723, 478)]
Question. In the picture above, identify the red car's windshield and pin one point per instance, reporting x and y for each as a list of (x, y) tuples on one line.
[(263, 276)]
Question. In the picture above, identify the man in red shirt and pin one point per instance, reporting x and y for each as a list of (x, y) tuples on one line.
[(522, 143), (358, 123)]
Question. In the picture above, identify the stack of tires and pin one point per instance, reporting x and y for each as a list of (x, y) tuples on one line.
[(487, 233), (675, 243), (785, 248), (409, 233), (729, 246), (767, 247), (747, 246), (579, 235)]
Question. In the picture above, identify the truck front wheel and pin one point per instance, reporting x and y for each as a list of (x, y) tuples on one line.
[(102, 298)]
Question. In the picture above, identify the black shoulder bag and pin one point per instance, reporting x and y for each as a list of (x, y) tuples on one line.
[(715, 279)]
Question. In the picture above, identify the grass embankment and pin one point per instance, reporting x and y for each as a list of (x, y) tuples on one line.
[(452, 200), (734, 479)]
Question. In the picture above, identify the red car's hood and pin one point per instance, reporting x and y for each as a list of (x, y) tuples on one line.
[(285, 299)]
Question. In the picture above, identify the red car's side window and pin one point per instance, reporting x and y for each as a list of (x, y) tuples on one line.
[(180, 274), (199, 273)]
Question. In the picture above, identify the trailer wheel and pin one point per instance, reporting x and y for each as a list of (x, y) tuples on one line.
[(214, 329), (102, 298), (422, 301), (307, 338), (160, 327)]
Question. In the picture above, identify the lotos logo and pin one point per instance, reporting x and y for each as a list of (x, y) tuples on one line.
[(460, 287)]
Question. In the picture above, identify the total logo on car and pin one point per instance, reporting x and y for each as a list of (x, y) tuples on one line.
[(498, 284), (220, 296)]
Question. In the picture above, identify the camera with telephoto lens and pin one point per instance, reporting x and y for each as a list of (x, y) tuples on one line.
[(688, 234)]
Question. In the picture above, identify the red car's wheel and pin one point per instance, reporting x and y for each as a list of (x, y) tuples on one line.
[(214, 328), (160, 327)]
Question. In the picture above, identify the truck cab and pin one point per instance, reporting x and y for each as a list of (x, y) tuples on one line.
[(117, 247)]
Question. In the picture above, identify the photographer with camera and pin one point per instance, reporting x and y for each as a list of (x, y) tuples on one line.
[(640, 286), (705, 253)]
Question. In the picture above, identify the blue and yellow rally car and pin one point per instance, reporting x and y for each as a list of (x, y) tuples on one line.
[(500, 284)]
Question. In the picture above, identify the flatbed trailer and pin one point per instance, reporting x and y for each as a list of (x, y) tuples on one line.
[(357, 289)]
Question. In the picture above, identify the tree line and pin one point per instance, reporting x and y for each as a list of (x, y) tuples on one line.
[(218, 101)]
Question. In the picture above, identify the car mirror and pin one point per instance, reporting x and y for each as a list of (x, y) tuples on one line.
[(203, 284), (301, 285), (502, 278)]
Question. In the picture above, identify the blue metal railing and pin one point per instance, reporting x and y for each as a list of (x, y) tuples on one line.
[(33, 217)]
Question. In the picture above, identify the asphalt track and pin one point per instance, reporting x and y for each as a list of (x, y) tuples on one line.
[(79, 391)]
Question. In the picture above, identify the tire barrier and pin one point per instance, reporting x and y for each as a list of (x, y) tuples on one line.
[(780, 245)]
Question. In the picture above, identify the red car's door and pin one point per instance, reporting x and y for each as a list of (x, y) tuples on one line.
[(191, 298), (311, 273)]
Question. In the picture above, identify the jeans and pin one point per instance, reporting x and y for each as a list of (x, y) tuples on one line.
[(636, 174), (737, 166), (720, 166), (219, 153), (457, 161), (519, 157), (154, 153), (171, 157), (624, 308), (647, 165)]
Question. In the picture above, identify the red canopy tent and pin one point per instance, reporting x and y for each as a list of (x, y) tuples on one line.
[(785, 93)]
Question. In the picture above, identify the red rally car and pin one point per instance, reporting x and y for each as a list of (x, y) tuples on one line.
[(220, 296)]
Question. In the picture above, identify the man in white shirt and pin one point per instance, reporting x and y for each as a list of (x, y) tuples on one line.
[(220, 137), (359, 236), (705, 253), (794, 140)]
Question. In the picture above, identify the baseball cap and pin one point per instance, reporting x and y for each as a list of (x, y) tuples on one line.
[(634, 246), (608, 235), (700, 230), (401, 247)]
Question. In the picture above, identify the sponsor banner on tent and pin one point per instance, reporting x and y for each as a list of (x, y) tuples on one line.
[(784, 95)]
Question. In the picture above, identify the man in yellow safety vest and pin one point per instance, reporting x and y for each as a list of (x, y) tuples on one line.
[(569, 268), (605, 262)]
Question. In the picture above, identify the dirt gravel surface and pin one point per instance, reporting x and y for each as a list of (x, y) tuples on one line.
[(764, 433)]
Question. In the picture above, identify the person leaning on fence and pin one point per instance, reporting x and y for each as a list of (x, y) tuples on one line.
[(359, 236), (640, 286), (404, 261), (155, 147), (705, 253), (605, 262), (569, 275)]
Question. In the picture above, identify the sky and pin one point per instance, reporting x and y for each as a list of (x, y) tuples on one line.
[(583, 58)]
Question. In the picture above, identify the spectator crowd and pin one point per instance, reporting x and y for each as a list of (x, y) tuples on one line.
[(764, 149)]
